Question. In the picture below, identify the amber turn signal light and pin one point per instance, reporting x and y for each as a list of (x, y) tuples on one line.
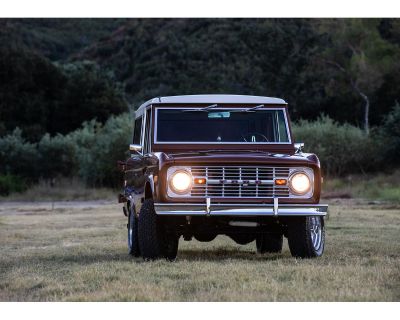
[(199, 181), (280, 182)]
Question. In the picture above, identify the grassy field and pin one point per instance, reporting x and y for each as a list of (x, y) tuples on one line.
[(78, 252), (62, 190), (376, 187)]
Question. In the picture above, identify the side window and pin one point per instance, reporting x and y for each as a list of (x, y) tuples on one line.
[(147, 132), (137, 130)]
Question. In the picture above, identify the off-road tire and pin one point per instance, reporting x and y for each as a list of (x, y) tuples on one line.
[(133, 240), (150, 232), (300, 237), (269, 242)]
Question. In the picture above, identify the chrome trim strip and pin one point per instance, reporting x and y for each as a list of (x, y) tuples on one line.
[(218, 209)]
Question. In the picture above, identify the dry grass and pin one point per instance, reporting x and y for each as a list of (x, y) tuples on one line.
[(61, 190), (377, 187), (79, 253)]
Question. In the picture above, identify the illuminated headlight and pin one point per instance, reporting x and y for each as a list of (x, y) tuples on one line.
[(299, 183), (181, 182)]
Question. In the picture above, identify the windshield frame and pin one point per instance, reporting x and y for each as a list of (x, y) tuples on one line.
[(197, 109)]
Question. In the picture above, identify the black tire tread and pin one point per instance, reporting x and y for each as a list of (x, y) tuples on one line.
[(299, 238), (150, 236)]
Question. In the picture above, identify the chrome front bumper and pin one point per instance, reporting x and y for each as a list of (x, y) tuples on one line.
[(239, 209)]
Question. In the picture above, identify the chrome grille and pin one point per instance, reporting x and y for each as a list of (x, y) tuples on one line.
[(242, 182)]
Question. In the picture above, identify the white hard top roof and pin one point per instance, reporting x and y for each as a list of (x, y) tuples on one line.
[(212, 98)]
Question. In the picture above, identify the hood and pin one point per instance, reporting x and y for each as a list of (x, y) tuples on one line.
[(241, 157)]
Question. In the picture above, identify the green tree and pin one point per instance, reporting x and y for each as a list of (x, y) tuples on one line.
[(89, 93), (360, 56), (19, 157), (41, 97), (31, 88)]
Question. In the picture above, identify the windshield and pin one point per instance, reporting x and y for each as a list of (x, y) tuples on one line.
[(221, 126)]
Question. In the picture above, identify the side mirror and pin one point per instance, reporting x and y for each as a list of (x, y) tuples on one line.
[(135, 147), (299, 147)]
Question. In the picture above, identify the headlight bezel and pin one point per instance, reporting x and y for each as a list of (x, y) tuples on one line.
[(309, 173), (172, 172)]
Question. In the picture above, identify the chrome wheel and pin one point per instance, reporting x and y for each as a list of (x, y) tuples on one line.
[(316, 232), (130, 231), (306, 236)]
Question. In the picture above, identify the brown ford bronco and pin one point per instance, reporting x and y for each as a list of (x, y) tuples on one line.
[(206, 165)]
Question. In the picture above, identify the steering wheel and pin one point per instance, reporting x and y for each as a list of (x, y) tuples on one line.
[(250, 134)]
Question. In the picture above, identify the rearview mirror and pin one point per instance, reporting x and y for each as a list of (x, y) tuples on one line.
[(223, 114)]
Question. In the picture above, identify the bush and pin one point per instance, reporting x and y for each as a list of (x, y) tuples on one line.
[(19, 157), (90, 152), (10, 183), (98, 148), (341, 149), (57, 157), (112, 145)]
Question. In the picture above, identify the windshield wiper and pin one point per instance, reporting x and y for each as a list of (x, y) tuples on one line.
[(205, 109), (248, 109)]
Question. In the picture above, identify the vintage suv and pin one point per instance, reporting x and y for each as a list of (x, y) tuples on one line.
[(204, 165)]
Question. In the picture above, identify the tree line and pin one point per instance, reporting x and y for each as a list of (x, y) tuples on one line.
[(347, 69)]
